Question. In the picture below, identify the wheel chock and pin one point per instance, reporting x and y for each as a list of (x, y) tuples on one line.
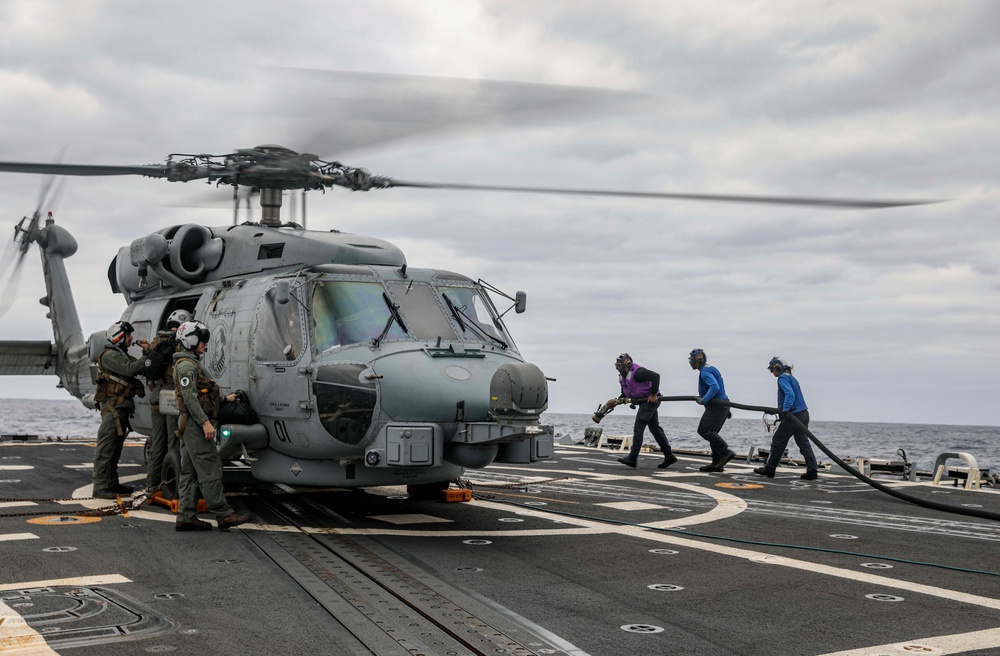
[(174, 504)]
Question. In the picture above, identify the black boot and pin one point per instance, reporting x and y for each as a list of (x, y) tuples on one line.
[(668, 460), (720, 465)]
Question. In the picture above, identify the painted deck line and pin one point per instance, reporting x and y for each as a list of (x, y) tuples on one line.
[(541, 532), (78, 581), (16, 637), (957, 643), (17, 504), (7, 537), (781, 561)]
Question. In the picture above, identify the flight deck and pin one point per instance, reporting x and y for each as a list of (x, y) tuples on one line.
[(576, 555)]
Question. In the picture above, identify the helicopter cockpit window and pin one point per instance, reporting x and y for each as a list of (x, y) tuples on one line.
[(421, 310), (278, 337), (348, 312), (474, 314)]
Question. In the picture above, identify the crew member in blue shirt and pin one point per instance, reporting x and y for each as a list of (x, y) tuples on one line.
[(790, 402), (710, 386)]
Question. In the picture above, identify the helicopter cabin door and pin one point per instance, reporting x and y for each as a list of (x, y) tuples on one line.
[(280, 361)]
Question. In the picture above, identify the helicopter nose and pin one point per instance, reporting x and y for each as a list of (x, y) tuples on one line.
[(415, 387)]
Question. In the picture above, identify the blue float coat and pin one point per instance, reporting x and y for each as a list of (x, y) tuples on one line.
[(710, 385), (790, 397)]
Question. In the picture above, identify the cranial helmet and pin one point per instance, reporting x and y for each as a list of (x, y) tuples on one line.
[(191, 333), (777, 363), (623, 361), (177, 317), (697, 358), (118, 330)]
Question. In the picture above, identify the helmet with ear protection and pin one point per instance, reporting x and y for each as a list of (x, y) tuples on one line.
[(776, 363), (177, 317), (118, 330), (191, 333), (697, 358)]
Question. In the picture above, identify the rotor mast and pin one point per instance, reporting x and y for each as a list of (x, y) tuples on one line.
[(270, 207)]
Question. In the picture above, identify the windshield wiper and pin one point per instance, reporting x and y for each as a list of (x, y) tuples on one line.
[(454, 312), (393, 316), (458, 314)]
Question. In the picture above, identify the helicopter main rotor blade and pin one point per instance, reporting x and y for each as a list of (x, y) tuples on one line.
[(830, 203), (369, 111), (148, 170)]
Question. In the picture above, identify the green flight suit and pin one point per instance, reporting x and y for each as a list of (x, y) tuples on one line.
[(163, 436), (115, 412), (200, 463)]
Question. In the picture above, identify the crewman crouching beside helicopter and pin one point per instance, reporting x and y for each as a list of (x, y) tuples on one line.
[(198, 398), (164, 427), (116, 387)]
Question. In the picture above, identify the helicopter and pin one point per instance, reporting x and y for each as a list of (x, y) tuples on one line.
[(363, 371)]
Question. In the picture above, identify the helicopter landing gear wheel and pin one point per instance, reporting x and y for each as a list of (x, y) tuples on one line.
[(170, 474)]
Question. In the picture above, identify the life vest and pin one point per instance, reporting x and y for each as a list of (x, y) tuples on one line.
[(632, 389), (164, 345), (114, 390), (209, 393)]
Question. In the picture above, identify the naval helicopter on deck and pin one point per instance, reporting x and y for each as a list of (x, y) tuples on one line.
[(363, 371)]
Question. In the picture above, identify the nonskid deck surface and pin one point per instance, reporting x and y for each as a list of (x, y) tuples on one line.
[(578, 555)]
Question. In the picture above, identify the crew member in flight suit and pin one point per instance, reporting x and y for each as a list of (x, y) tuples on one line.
[(198, 397), (116, 386), (164, 427), (641, 383), (790, 402), (710, 386)]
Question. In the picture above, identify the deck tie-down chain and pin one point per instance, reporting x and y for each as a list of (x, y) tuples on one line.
[(120, 507)]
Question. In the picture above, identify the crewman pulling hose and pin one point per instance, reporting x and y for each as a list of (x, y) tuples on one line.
[(796, 422)]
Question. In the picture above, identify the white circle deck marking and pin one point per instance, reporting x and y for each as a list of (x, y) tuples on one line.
[(642, 628), (883, 597)]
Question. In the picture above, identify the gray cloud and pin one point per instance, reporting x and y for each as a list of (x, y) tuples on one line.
[(890, 315)]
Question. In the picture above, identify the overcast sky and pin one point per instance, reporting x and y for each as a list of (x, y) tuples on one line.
[(889, 315)]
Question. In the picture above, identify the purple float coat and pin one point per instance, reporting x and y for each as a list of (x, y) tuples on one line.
[(633, 388)]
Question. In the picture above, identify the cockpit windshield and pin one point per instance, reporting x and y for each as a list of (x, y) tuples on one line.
[(349, 312), (346, 312), (422, 310), (474, 315)]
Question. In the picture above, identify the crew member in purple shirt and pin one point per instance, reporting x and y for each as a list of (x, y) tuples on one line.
[(642, 386)]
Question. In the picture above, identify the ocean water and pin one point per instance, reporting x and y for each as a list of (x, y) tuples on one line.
[(922, 443)]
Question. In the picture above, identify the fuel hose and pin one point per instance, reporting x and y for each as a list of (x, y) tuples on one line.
[(909, 498)]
